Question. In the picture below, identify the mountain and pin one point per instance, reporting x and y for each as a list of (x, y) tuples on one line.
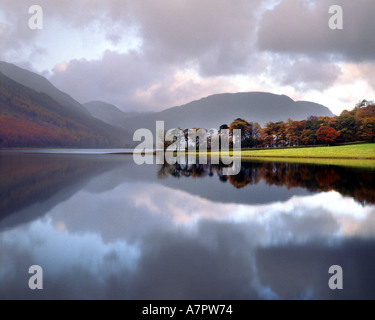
[(33, 112), (108, 112), (34, 119), (40, 84), (215, 110)]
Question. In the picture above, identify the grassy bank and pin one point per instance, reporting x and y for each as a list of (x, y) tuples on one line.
[(360, 155), (358, 152)]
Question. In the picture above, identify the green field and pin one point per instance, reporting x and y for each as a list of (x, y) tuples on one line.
[(359, 155), (358, 151)]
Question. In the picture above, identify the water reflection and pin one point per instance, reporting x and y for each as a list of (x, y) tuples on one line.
[(110, 229), (28, 179), (356, 183)]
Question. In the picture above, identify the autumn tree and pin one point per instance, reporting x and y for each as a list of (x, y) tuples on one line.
[(280, 133), (266, 135), (327, 121), (327, 134), (242, 125), (294, 131), (366, 129), (306, 136), (366, 112)]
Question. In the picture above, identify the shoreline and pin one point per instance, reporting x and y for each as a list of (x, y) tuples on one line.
[(362, 155)]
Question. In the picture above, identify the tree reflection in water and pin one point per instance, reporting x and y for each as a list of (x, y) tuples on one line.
[(354, 182)]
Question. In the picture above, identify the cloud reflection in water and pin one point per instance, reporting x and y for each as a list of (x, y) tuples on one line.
[(147, 239)]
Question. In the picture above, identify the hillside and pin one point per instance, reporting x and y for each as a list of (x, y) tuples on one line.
[(215, 110), (33, 119), (40, 84), (108, 112)]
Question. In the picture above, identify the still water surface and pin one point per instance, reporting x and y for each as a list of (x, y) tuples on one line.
[(102, 227)]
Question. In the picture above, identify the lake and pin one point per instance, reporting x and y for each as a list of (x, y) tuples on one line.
[(102, 227)]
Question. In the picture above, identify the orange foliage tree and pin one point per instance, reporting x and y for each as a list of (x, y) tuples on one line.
[(327, 134)]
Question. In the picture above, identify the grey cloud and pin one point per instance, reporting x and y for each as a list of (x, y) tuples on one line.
[(304, 73), (290, 45), (218, 36), (295, 27), (113, 78), (213, 37), (132, 81), (220, 32), (16, 38)]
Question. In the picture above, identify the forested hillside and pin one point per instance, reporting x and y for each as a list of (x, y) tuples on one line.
[(33, 119)]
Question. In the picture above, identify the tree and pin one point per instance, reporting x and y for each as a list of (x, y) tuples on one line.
[(223, 127), (327, 121), (305, 136), (327, 134), (346, 126), (280, 133), (367, 129), (243, 125), (256, 130), (246, 131), (266, 135), (294, 131), (366, 112)]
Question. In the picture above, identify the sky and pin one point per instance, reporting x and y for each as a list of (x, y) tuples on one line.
[(149, 55)]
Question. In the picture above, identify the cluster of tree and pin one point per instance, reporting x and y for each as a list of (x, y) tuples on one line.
[(350, 126), (354, 183), (355, 125)]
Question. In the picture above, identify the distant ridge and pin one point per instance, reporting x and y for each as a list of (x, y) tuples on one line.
[(108, 113), (40, 84), (218, 109)]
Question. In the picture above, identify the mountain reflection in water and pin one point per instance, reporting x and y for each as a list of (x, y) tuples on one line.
[(102, 227)]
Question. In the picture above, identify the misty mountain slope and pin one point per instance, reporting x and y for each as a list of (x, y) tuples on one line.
[(215, 110), (108, 112), (33, 119), (40, 84)]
